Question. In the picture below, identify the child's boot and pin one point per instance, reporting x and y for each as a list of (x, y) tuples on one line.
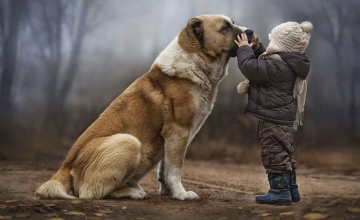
[(279, 193), (294, 191)]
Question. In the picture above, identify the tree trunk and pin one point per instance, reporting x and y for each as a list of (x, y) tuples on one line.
[(352, 106), (10, 43), (72, 68), (53, 67)]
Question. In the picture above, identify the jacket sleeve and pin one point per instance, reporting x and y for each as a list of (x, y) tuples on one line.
[(253, 69), (260, 50)]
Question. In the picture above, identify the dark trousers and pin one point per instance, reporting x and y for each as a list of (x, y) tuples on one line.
[(277, 150)]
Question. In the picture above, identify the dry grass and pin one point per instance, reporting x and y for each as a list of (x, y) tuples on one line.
[(223, 152), (345, 160), (331, 160)]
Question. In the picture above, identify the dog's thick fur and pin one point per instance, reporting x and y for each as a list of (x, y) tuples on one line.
[(152, 121)]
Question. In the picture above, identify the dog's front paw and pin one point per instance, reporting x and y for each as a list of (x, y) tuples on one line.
[(189, 195)]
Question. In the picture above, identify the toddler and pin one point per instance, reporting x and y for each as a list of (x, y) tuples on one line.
[(276, 89)]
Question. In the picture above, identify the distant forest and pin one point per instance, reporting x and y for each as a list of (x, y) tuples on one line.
[(63, 61)]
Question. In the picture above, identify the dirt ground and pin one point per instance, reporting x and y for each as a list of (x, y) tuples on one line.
[(227, 191)]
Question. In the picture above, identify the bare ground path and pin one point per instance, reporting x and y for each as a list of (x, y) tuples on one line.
[(227, 191)]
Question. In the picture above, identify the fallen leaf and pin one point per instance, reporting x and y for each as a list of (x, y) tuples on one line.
[(286, 213), (320, 209), (35, 204), (52, 215), (41, 210), (10, 201), (351, 196), (332, 203), (55, 219), (353, 209), (124, 207), (77, 201), (99, 214), (224, 218), (265, 214), (112, 205), (324, 196), (4, 217), (49, 207), (316, 216), (3, 206), (106, 211), (240, 207), (21, 215), (258, 211), (75, 213), (25, 205)]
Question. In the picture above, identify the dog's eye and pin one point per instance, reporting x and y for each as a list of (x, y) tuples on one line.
[(225, 29)]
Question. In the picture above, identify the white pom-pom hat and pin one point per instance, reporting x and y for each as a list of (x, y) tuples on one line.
[(290, 37)]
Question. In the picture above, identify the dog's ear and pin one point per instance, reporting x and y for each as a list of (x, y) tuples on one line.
[(195, 28)]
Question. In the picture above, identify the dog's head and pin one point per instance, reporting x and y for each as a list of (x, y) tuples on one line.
[(214, 35)]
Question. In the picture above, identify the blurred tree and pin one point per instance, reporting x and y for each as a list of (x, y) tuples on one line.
[(46, 21), (62, 66), (335, 22), (61, 22), (343, 19), (11, 18)]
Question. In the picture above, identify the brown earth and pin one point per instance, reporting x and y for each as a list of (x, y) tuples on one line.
[(227, 191)]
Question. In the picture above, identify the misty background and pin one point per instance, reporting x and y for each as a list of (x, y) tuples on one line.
[(63, 61)]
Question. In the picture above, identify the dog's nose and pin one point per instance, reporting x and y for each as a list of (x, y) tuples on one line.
[(249, 32)]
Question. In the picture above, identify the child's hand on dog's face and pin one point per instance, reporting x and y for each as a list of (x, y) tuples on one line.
[(242, 41), (256, 44)]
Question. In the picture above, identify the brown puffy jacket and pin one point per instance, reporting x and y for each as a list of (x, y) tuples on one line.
[(270, 95)]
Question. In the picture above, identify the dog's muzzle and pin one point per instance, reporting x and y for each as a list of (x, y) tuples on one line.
[(238, 30), (250, 35)]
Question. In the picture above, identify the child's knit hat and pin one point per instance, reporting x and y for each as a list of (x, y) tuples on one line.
[(290, 37)]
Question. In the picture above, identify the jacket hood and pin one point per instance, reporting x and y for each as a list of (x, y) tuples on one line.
[(299, 63)]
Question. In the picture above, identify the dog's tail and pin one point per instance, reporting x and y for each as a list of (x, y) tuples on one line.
[(58, 186)]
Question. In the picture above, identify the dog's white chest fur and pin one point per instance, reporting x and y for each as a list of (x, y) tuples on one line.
[(174, 61)]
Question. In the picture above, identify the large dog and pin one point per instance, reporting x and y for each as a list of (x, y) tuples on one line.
[(153, 121)]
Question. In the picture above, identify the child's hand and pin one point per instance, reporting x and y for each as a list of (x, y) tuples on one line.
[(242, 41), (256, 44)]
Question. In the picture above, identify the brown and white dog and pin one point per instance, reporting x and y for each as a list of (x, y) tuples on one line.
[(153, 121)]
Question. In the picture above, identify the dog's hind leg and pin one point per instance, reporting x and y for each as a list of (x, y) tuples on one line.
[(58, 186), (115, 162), (129, 190)]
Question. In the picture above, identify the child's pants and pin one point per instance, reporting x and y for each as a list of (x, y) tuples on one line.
[(276, 143)]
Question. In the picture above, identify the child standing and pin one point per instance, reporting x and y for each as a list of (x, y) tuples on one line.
[(276, 90)]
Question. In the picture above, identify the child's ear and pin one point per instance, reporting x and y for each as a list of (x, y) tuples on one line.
[(195, 28)]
